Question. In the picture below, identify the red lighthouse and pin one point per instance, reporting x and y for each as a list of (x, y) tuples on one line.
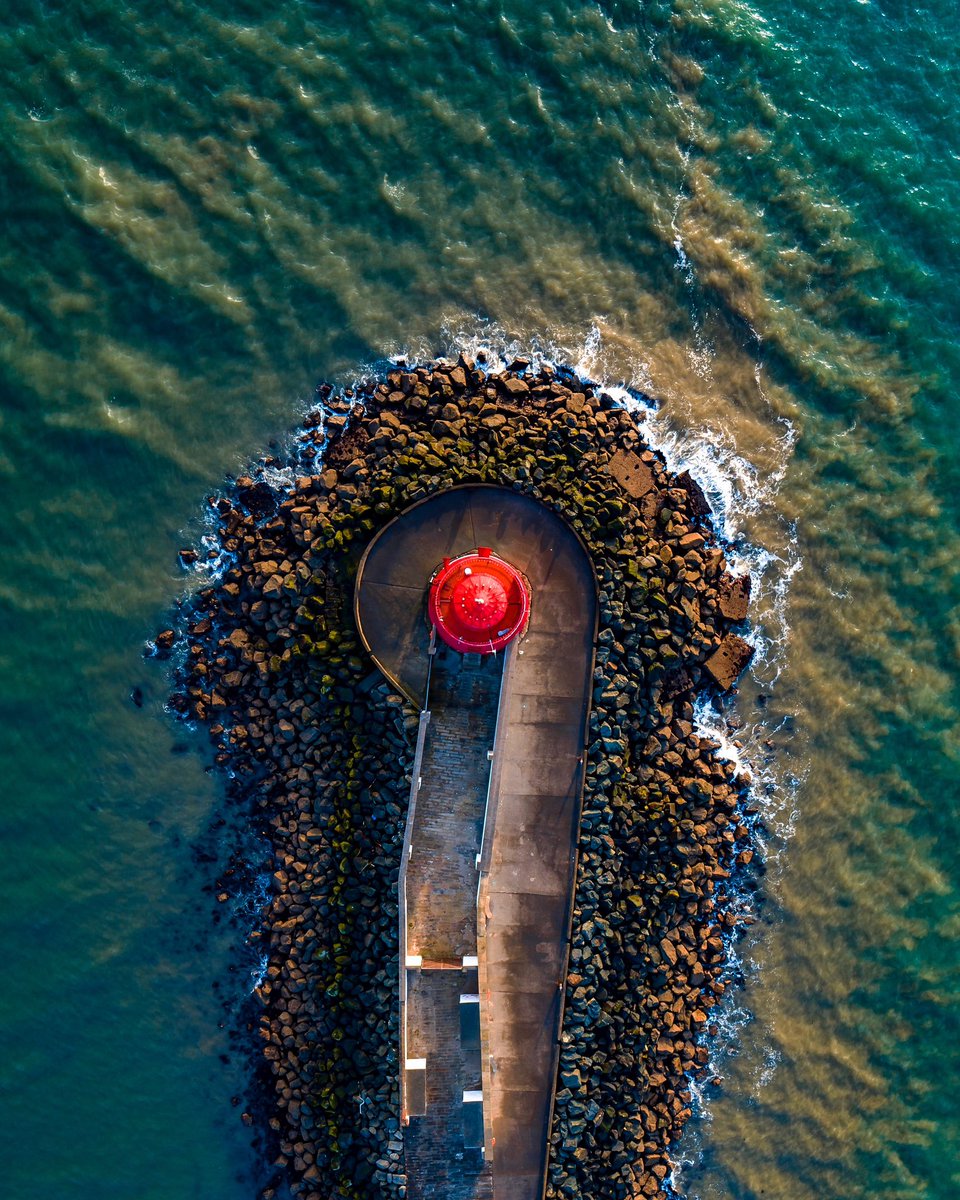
[(478, 602)]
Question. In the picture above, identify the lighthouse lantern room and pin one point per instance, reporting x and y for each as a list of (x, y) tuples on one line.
[(478, 602)]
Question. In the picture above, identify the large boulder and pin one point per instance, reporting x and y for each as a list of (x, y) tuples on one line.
[(734, 598), (728, 660)]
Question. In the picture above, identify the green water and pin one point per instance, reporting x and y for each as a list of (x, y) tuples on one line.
[(748, 210)]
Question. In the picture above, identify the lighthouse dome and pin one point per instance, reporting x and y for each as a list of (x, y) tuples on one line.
[(478, 602)]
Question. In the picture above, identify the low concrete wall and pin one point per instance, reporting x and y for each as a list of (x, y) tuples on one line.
[(402, 903), (486, 851)]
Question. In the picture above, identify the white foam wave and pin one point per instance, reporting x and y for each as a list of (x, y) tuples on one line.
[(251, 902), (279, 479), (258, 973)]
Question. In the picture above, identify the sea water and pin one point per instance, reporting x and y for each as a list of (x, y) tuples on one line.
[(746, 214)]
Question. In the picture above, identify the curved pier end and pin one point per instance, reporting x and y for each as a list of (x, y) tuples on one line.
[(526, 788)]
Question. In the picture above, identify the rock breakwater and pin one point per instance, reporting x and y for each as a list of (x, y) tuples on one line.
[(319, 748)]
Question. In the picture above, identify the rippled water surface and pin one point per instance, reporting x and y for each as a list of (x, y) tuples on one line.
[(747, 210)]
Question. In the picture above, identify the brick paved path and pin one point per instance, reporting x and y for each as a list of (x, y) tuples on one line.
[(442, 921)]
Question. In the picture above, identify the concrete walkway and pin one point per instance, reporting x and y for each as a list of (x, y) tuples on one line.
[(527, 877), (528, 856)]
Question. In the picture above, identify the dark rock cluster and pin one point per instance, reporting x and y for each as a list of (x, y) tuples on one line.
[(319, 749)]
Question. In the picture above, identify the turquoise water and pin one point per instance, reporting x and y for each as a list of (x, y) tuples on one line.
[(749, 211)]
